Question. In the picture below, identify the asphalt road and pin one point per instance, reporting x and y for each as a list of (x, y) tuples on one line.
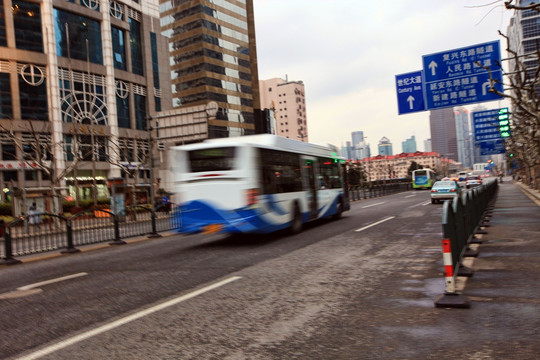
[(345, 289)]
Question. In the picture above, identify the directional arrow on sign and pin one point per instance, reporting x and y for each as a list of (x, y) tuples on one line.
[(410, 100), (433, 66), (485, 87)]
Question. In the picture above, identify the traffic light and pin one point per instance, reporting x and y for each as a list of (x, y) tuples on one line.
[(504, 122)]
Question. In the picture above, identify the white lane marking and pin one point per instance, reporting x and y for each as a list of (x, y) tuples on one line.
[(408, 196), (91, 333), (52, 281), (367, 206), (376, 223), (420, 204)]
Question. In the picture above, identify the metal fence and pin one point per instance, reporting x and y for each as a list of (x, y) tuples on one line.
[(37, 233), (370, 191)]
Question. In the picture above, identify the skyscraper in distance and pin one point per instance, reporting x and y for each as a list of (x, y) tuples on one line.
[(442, 124), (409, 145), (360, 147), (385, 146), (213, 58), (464, 137)]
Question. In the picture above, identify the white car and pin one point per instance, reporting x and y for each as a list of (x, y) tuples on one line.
[(472, 181)]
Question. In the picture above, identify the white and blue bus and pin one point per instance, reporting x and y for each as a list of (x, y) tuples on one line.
[(256, 184)]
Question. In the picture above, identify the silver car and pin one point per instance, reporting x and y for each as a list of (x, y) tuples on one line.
[(444, 190), (473, 180)]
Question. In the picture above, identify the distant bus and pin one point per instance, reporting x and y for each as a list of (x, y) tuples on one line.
[(256, 184), (423, 178)]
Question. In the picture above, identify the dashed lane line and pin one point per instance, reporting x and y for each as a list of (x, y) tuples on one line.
[(374, 224)]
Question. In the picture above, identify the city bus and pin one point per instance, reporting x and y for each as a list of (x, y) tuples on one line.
[(256, 184), (423, 178)]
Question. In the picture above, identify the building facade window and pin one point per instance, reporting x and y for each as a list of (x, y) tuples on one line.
[(122, 110), (531, 27), (27, 24), (85, 102), (33, 100), (116, 10), (136, 46), (140, 112), (119, 48), (10, 175), (72, 32), (6, 107), (155, 63), (3, 38), (9, 152)]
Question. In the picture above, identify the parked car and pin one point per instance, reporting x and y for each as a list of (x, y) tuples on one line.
[(473, 180), (444, 190)]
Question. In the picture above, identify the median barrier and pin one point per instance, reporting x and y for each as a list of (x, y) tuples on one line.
[(359, 192), (462, 218)]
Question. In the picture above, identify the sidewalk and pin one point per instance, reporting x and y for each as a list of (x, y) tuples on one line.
[(504, 290)]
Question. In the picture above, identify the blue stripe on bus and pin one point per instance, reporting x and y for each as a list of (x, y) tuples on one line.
[(232, 221), (243, 220)]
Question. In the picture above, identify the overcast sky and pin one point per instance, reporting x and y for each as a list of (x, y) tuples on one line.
[(348, 52)]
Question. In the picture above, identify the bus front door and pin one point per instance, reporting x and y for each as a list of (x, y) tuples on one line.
[(309, 171)]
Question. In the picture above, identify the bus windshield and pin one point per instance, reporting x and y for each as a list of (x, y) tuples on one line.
[(212, 159)]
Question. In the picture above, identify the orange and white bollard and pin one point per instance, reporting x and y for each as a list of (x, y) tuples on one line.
[(448, 267), (450, 298)]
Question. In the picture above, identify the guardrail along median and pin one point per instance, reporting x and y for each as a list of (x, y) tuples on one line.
[(462, 218)]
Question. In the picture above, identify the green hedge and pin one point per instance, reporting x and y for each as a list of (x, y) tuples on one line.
[(5, 209), (103, 203)]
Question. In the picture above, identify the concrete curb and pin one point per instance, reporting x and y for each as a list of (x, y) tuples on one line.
[(86, 248), (531, 193)]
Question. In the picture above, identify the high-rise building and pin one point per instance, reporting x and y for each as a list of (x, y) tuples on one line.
[(442, 124), (465, 141), (361, 148), (385, 147), (347, 151), (524, 35), (427, 145), (213, 58), (79, 81), (409, 145), (288, 101)]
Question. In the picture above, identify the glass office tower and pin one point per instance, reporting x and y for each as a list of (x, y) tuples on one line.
[(84, 77), (213, 58)]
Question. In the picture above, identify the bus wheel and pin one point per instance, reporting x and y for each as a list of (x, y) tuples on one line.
[(296, 225), (337, 215)]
